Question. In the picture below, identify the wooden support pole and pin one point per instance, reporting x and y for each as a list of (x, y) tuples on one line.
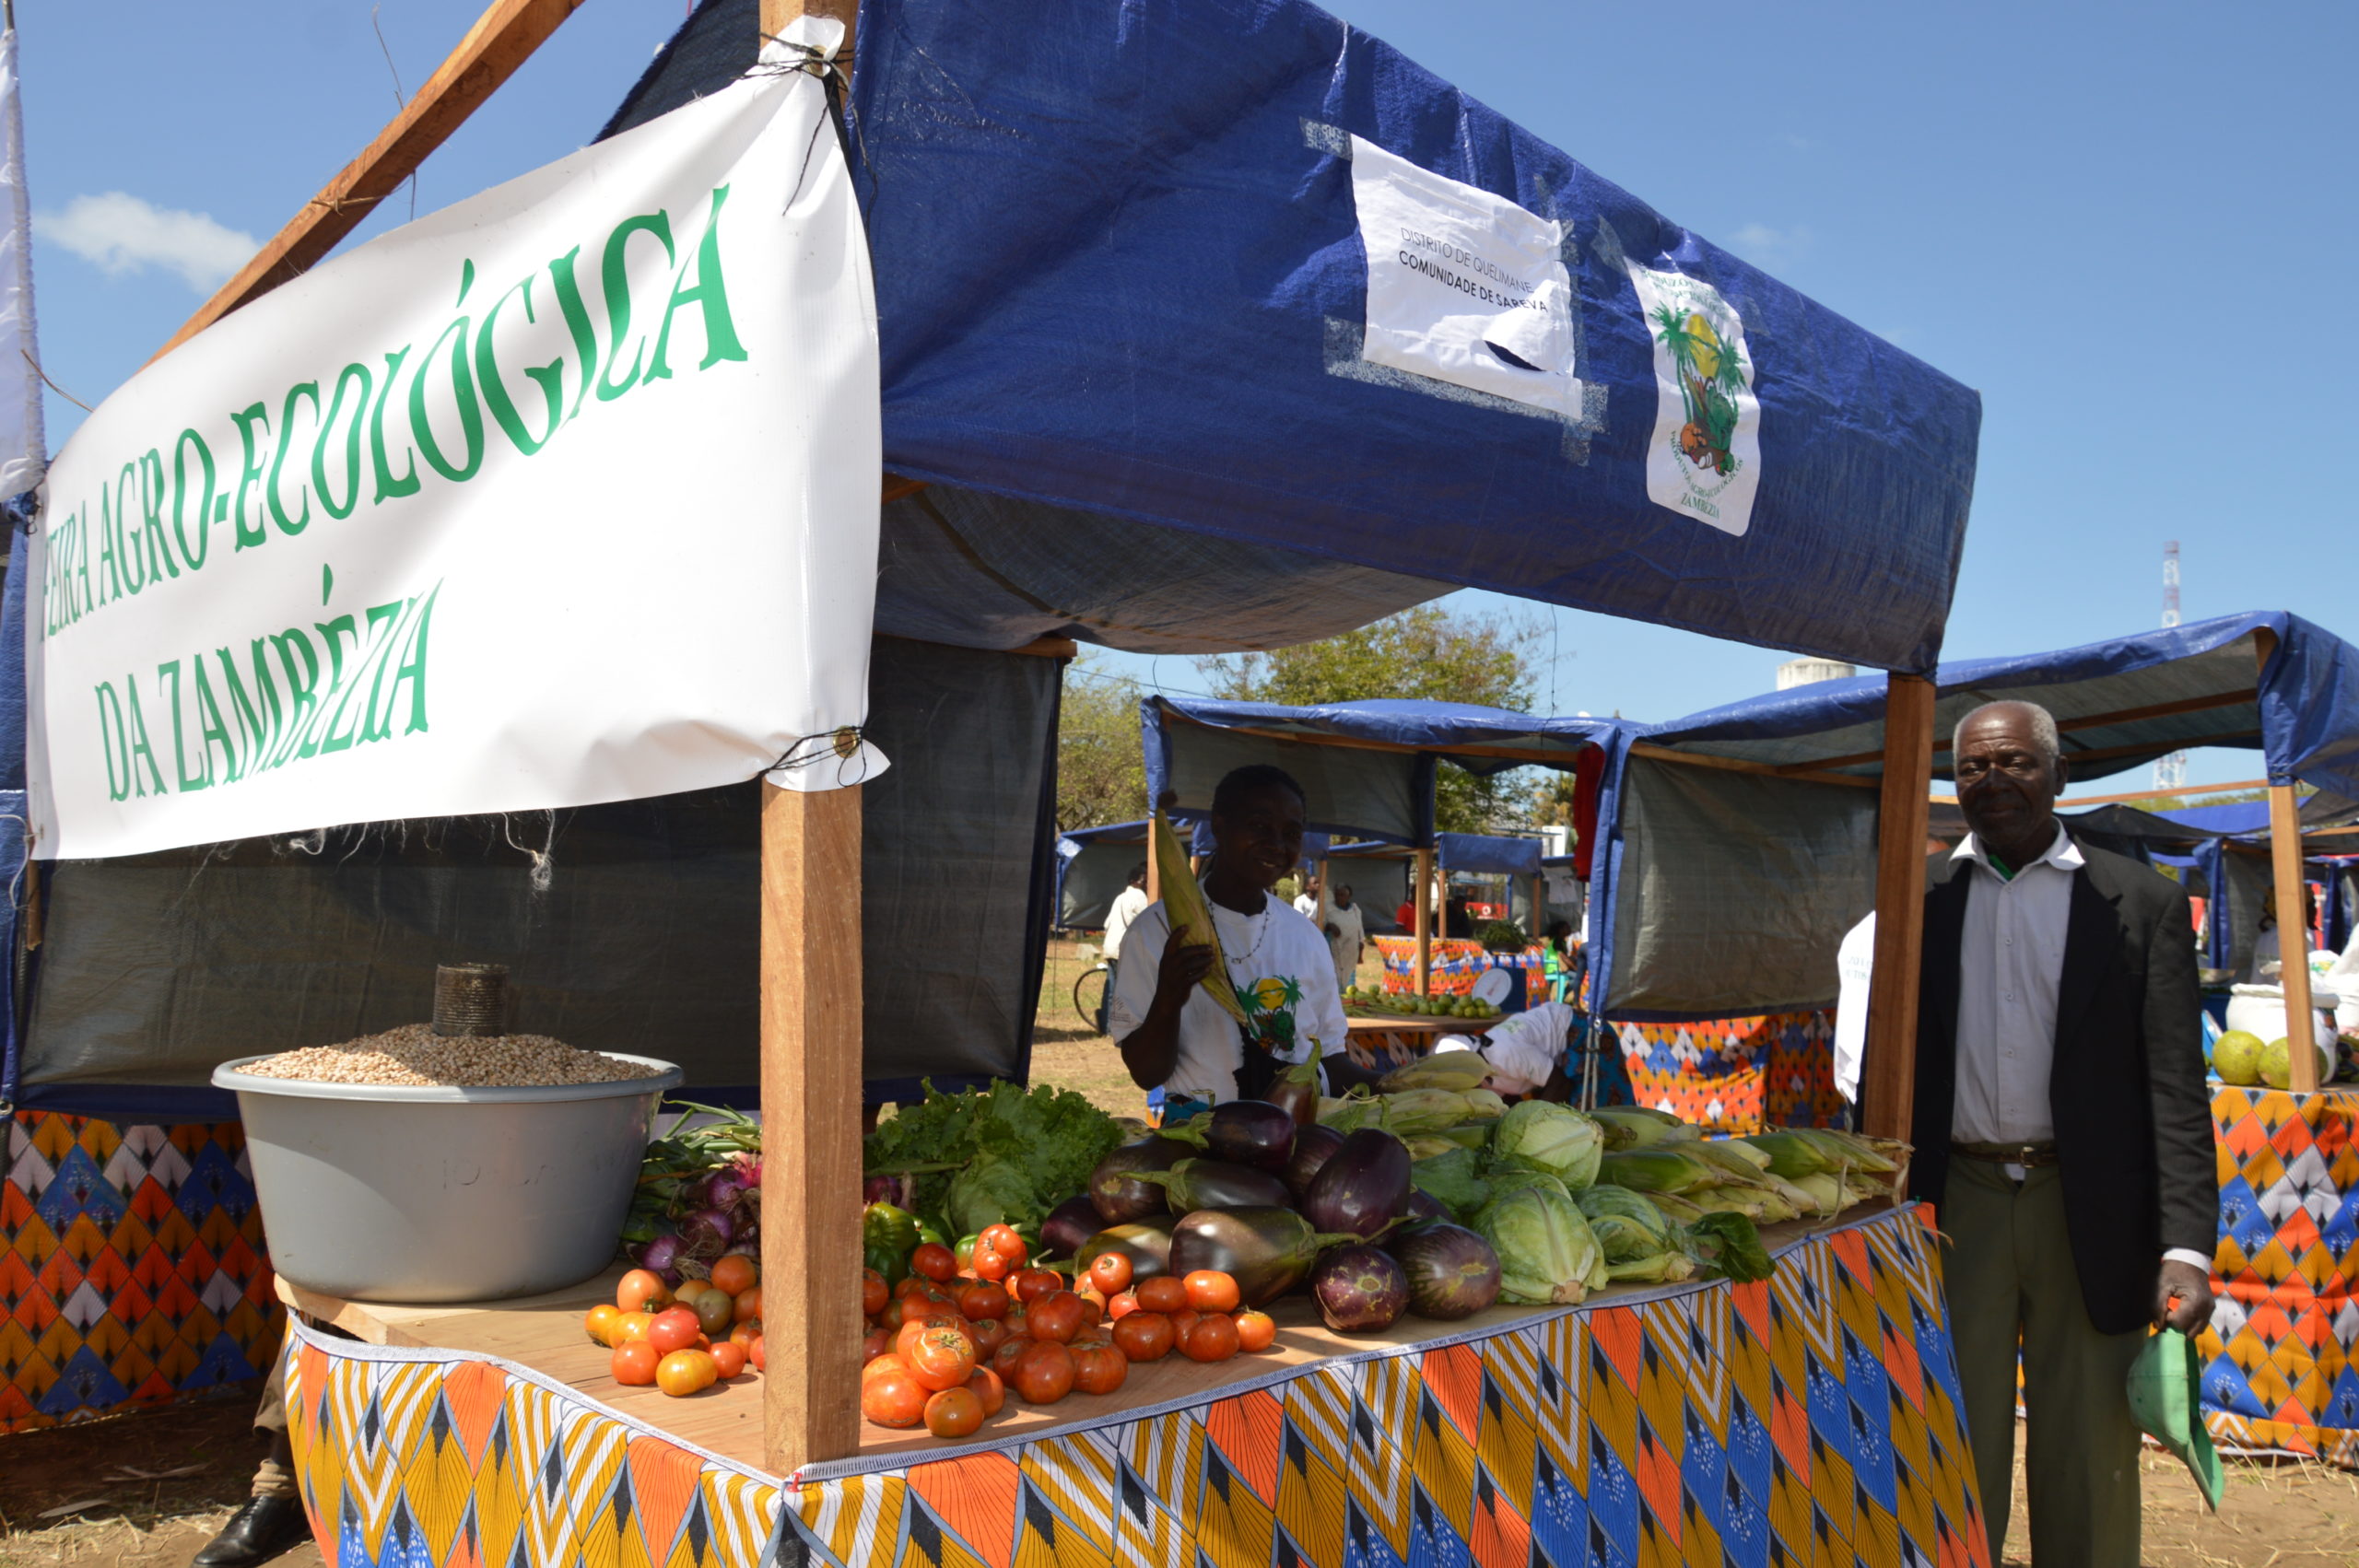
[(502, 39), (1539, 932), (1425, 900), (2293, 930), (811, 1089), (1888, 1098)]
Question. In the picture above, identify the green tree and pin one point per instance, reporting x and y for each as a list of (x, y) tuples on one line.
[(1427, 653), (1102, 772)]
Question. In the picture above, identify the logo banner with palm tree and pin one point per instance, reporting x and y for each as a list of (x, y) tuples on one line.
[(1705, 459)]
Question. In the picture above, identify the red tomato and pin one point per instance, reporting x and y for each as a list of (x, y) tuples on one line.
[(1033, 1283), (747, 1306), (634, 1362), (1010, 1351), (989, 1389), (599, 1323), (894, 1399), (630, 1326), (1018, 1323), (1045, 1372), (1110, 1273), (745, 1333), (988, 1335), (941, 1357), (1121, 1305), (991, 1265), (1209, 1290), (1093, 1301), (889, 1361), (916, 1326), (1181, 1321), (873, 1292), (911, 1285), (878, 1342), (1255, 1330), (642, 1290), (935, 1262), (754, 1353), (1143, 1336), (1213, 1338), (728, 1358), (979, 1301), (1004, 1240), (734, 1272), (953, 1412), (716, 1310), (1163, 1294), (673, 1329), (1058, 1317), (1099, 1369)]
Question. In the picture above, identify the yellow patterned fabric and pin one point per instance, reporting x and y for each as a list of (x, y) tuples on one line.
[(1810, 1419), (2282, 1354)]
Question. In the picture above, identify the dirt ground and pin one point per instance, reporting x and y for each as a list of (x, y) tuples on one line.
[(127, 1511)]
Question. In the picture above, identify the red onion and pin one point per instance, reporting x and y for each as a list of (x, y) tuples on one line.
[(661, 1255), (705, 1232)]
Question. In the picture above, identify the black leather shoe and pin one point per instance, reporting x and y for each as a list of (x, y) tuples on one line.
[(256, 1533)]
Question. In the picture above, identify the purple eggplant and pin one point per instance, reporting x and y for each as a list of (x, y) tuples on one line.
[(1113, 1192), (1452, 1271), (1251, 1132), (1266, 1250), (1313, 1147), (1359, 1288), (1068, 1227), (1146, 1242), (1424, 1210), (1217, 1183), (1296, 1091), (1363, 1188)]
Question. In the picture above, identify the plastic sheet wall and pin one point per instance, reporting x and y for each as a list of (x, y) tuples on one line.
[(1731, 891), (157, 968)]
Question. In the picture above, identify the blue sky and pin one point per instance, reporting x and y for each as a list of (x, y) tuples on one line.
[(2130, 227)]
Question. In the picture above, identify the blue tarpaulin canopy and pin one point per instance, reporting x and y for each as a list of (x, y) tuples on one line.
[(1743, 841), (1366, 767), (2228, 817), (1484, 854)]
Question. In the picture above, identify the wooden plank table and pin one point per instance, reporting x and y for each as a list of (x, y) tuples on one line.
[(1404, 1036), (544, 1333)]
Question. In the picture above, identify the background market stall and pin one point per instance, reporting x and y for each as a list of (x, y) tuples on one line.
[(1201, 527), (2280, 1376)]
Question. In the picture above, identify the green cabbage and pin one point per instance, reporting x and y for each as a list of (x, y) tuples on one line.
[(1454, 1180), (1546, 1252), (1626, 1225), (1557, 1141)]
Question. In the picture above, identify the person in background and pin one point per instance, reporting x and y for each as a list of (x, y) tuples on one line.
[(1305, 903), (1405, 917), (1558, 959), (2061, 1126), (2267, 967), (1171, 1033), (1347, 932), (272, 1520), (1127, 906)]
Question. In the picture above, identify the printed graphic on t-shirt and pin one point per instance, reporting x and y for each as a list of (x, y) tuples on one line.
[(1269, 1005)]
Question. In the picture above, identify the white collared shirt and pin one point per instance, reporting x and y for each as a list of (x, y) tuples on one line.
[(2010, 960)]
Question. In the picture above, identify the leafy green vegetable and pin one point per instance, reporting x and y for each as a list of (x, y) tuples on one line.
[(1034, 1149), (1625, 1224), (1558, 1140), (1454, 1180), (1546, 1253), (1730, 1246)]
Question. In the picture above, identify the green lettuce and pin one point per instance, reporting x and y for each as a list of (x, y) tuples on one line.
[(1002, 1152), (1557, 1141), (1546, 1253)]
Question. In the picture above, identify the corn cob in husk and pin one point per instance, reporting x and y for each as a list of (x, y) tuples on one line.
[(1659, 1169), (1184, 906), (1460, 1071)]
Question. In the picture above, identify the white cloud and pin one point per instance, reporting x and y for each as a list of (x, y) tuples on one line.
[(121, 234), (1762, 244)]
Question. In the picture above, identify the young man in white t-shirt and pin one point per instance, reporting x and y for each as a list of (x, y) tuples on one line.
[(1175, 1036)]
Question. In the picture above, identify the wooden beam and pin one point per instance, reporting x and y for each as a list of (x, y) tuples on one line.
[(895, 488), (2149, 748), (2066, 726), (1545, 758), (502, 39), (1888, 1096), (2075, 804), (1743, 765), (1049, 648), (1425, 899), (2293, 928), (811, 1075)]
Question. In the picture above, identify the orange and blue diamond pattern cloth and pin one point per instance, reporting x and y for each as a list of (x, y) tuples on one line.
[(132, 1267), (1737, 1075), (1810, 1419), (2280, 1373)]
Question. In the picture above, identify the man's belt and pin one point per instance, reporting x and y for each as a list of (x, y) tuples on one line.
[(2025, 1154)]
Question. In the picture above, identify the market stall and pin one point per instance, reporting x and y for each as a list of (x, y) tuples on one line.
[(2281, 1342), (1192, 528)]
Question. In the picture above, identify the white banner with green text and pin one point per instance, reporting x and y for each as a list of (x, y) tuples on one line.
[(565, 494)]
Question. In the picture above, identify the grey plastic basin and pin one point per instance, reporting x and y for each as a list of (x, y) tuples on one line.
[(443, 1194)]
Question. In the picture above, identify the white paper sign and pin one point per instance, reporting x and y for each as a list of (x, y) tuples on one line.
[(1705, 459), (565, 494), (1463, 285)]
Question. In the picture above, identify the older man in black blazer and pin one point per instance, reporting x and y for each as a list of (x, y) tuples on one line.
[(2063, 1132)]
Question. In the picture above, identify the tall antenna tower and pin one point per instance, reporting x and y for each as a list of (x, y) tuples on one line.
[(2170, 772)]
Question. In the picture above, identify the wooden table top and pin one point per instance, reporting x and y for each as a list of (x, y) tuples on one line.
[(545, 1333)]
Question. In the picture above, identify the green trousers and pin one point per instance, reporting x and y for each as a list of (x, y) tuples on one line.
[(2011, 1282)]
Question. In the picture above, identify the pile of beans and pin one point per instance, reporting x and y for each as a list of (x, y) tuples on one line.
[(414, 1056)]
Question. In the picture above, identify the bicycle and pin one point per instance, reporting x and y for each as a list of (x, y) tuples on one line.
[(1089, 995)]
